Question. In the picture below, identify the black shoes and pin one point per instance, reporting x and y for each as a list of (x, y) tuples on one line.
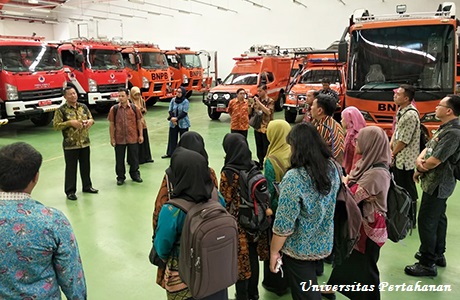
[(138, 179), (440, 260), (72, 197), (120, 181), (166, 156), (91, 190), (418, 269)]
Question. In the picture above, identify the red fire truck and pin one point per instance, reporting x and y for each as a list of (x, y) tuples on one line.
[(186, 67), (148, 69), (32, 79), (96, 70)]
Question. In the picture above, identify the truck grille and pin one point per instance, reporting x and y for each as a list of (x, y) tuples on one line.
[(40, 94), (109, 88), (157, 87), (383, 119)]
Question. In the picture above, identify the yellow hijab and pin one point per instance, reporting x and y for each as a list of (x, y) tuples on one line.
[(277, 132)]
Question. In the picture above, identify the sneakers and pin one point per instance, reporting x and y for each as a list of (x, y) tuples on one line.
[(440, 260), (418, 269)]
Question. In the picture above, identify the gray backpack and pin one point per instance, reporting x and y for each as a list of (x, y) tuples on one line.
[(208, 258)]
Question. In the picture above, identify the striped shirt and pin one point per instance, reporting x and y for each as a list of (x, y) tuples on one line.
[(333, 134)]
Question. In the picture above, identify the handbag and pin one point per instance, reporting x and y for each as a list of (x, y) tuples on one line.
[(256, 120), (155, 259)]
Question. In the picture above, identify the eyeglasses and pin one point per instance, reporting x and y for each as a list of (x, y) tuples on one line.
[(241, 93), (446, 106)]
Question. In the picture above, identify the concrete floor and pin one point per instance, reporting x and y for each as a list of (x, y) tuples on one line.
[(113, 228)]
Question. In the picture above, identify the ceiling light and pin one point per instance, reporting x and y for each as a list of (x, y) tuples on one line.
[(137, 1), (12, 13), (42, 10), (183, 11), (33, 1), (100, 18), (127, 16)]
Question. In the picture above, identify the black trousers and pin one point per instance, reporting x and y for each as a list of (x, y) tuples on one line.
[(145, 154), (72, 158), (262, 146), (404, 179), (432, 227), (133, 160), (243, 132), (173, 137), (298, 271), (247, 289)]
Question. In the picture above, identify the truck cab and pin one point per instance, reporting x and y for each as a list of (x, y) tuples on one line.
[(96, 70), (32, 79), (148, 69), (317, 65), (262, 65), (187, 69)]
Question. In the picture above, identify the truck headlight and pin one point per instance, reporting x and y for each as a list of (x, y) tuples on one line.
[(11, 92), (145, 82), (209, 96), (92, 85), (227, 97), (184, 79), (291, 96), (215, 96)]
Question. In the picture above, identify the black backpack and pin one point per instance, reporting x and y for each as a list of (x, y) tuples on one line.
[(347, 222), (398, 219), (255, 199), (456, 165)]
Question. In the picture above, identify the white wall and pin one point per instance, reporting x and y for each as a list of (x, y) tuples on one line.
[(286, 24), (10, 27)]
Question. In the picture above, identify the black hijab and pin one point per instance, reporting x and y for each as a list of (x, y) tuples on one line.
[(191, 173), (182, 98), (193, 141), (238, 155)]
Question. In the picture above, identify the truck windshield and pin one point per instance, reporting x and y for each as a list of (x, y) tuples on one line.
[(153, 60), (101, 59), (190, 61), (384, 58), (241, 79), (30, 58), (317, 75)]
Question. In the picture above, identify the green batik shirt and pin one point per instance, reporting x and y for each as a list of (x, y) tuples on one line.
[(73, 138)]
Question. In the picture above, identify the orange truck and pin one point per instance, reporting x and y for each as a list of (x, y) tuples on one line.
[(386, 51), (261, 65), (317, 65), (186, 68), (148, 69), (96, 70), (32, 80)]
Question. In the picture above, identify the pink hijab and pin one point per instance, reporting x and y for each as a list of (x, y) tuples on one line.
[(355, 121)]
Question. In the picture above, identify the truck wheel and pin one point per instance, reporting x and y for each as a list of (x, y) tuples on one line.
[(43, 119), (213, 114), (280, 103), (151, 101), (102, 109), (290, 116)]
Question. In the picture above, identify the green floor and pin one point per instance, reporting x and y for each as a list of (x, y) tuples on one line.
[(113, 228)]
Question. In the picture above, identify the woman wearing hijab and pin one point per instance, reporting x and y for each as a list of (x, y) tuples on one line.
[(369, 184), (192, 183), (276, 164), (238, 156), (304, 229), (352, 121), (193, 141), (145, 156), (179, 122)]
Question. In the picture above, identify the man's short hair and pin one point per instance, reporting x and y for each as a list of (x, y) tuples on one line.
[(19, 163), (68, 88), (262, 87), (314, 92), (240, 90), (326, 80), (454, 103), (327, 103), (409, 91), (126, 91)]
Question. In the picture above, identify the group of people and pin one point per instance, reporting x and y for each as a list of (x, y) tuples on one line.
[(304, 167)]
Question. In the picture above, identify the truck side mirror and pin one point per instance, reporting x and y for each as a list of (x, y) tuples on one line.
[(343, 51), (136, 59), (219, 81), (79, 59)]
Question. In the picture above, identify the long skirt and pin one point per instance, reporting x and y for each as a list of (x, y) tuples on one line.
[(145, 156), (359, 269)]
